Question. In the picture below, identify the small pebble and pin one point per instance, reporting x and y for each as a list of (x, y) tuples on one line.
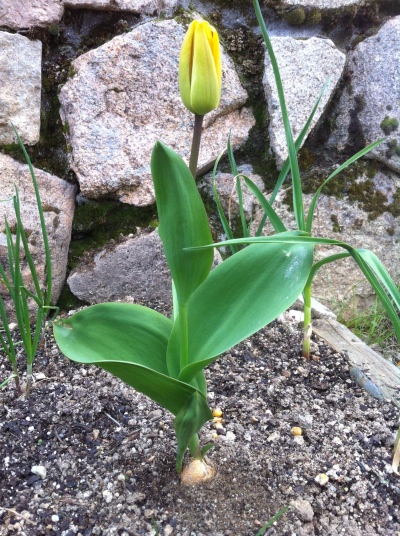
[(230, 436), (39, 470), (302, 509), (55, 518), (107, 496), (296, 431), (322, 479), (273, 437)]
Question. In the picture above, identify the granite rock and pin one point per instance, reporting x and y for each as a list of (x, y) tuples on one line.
[(145, 7), (227, 193), (317, 60), (324, 4), (23, 14), (369, 108), (20, 74), (124, 97)]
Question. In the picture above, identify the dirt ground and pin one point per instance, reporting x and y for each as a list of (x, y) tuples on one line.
[(106, 454)]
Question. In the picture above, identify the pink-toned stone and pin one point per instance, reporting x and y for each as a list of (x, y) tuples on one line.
[(21, 14), (124, 97), (20, 88)]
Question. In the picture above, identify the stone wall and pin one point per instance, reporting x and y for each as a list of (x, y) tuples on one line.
[(92, 84)]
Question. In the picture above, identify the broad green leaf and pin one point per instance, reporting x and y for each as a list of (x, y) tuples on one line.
[(128, 340), (116, 332), (369, 264), (183, 221), (188, 422), (240, 296)]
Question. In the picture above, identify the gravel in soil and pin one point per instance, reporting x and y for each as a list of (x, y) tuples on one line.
[(87, 455)]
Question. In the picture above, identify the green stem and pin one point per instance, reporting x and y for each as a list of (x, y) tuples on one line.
[(194, 153), (183, 320), (307, 320), (194, 447), (16, 376), (28, 379)]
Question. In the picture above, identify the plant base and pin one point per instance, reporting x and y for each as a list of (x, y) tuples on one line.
[(197, 472)]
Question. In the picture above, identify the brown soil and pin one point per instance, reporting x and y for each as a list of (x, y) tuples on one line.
[(109, 452)]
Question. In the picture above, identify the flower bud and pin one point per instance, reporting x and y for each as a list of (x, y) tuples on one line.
[(200, 68)]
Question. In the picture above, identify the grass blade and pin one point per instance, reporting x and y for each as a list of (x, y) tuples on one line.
[(8, 346), (7, 380), (225, 224), (28, 255), (298, 207), (235, 172), (286, 166), (273, 217), (48, 267), (272, 521)]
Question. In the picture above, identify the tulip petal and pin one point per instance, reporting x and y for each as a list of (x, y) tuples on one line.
[(185, 65), (200, 68)]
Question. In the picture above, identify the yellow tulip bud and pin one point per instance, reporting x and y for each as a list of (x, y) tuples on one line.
[(200, 70)]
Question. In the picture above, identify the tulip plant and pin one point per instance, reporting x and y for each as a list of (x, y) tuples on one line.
[(368, 262), (162, 357)]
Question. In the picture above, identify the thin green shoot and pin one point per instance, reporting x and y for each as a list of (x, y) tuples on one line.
[(21, 296), (298, 206), (272, 521)]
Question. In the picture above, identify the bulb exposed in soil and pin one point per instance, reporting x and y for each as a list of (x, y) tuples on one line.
[(197, 472)]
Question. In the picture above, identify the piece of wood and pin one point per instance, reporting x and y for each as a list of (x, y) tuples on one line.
[(384, 374)]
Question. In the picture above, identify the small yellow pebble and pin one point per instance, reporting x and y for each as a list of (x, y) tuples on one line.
[(322, 479), (217, 413), (296, 431)]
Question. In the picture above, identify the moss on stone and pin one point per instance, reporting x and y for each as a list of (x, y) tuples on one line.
[(389, 125), (335, 224), (393, 149), (96, 223), (295, 17), (313, 16), (68, 301)]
